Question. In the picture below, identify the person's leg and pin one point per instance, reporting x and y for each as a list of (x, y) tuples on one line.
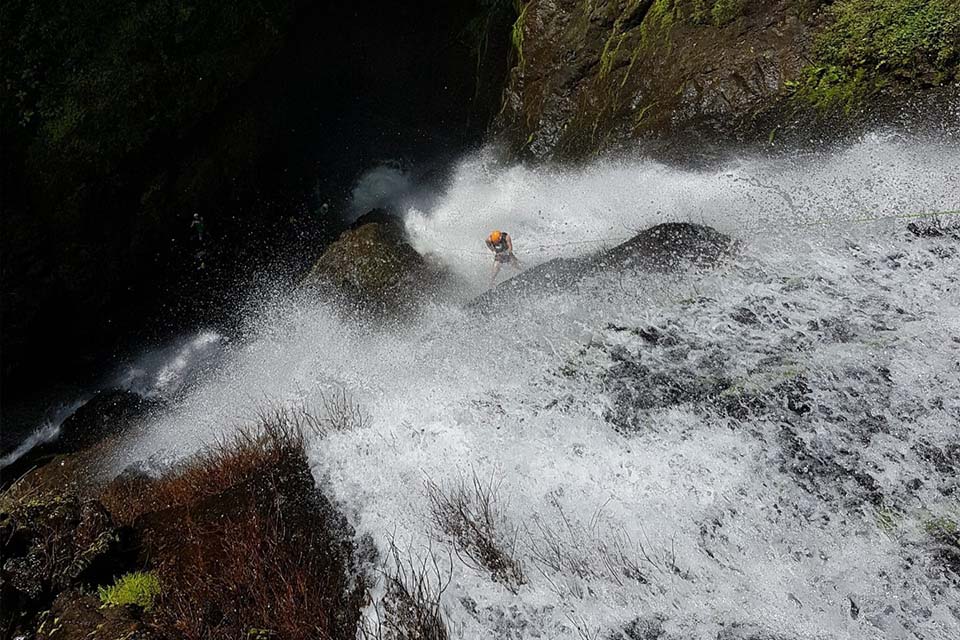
[(496, 270)]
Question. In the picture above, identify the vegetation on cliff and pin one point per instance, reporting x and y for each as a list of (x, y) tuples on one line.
[(869, 47), (594, 77)]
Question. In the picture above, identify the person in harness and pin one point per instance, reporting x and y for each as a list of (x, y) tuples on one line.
[(499, 242)]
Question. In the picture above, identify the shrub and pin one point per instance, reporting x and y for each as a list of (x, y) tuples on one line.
[(138, 588), (279, 435), (468, 513)]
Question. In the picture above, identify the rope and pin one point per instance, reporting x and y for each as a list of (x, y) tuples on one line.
[(902, 216), (618, 239)]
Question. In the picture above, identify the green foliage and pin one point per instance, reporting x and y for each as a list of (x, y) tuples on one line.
[(138, 588), (726, 11), (868, 45)]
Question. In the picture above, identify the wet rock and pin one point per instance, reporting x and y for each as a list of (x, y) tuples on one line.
[(745, 316), (635, 387), (373, 266), (824, 473), (80, 616), (742, 631), (52, 543), (645, 628), (670, 246), (664, 247), (943, 537), (934, 229), (106, 415)]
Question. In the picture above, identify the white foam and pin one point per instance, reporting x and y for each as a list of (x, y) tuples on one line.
[(521, 396)]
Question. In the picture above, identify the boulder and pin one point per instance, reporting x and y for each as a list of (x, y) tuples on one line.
[(664, 247), (373, 267)]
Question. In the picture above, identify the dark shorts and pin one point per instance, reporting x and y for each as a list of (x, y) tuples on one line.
[(504, 257)]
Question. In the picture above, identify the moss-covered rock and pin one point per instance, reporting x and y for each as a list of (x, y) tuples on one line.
[(596, 77), (881, 46), (373, 266)]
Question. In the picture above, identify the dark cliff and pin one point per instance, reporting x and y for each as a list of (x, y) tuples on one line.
[(156, 154)]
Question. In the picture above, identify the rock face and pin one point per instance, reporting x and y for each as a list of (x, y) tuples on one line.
[(374, 267), (594, 77), (664, 247)]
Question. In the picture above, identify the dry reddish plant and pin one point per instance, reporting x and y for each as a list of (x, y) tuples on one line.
[(244, 542)]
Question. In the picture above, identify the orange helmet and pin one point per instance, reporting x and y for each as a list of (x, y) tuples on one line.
[(495, 236)]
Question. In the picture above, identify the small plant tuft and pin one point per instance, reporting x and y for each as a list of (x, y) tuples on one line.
[(139, 588), (468, 513), (411, 605)]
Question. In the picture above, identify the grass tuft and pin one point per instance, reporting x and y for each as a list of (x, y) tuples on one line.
[(250, 543), (138, 588), (411, 606)]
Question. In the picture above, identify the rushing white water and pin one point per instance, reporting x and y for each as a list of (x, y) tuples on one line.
[(754, 451)]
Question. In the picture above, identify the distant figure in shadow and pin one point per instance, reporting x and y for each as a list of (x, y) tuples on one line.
[(499, 242)]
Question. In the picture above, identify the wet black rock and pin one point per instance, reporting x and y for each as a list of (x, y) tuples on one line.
[(107, 414), (665, 247), (934, 229)]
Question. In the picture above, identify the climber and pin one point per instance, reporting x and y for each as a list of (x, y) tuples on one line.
[(502, 246)]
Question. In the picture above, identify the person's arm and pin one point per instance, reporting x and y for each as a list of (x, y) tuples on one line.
[(509, 244)]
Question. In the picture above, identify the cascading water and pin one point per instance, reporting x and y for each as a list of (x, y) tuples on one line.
[(758, 450)]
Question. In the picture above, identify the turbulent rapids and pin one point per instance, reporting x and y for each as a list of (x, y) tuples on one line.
[(764, 448)]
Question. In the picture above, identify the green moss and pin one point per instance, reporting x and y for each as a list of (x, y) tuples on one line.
[(659, 21), (516, 35), (138, 588), (726, 11), (868, 45)]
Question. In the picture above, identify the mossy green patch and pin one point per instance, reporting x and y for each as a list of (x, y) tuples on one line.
[(868, 45), (139, 588), (726, 11), (516, 35)]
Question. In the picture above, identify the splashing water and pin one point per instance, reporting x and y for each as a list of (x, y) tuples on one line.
[(756, 450)]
